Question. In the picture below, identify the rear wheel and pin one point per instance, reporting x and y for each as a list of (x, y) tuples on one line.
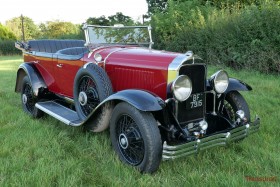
[(135, 137), (234, 101), (28, 99)]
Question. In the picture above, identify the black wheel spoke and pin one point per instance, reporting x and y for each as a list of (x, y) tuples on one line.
[(28, 99), (133, 148), (30, 103), (135, 137), (88, 87), (229, 111)]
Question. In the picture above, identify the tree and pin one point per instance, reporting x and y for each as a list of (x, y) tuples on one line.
[(30, 29), (120, 18), (6, 34), (102, 20), (60, 29), (111, 20), (156, 5)]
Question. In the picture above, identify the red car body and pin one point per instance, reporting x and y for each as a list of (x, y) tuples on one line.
[(148, 71)]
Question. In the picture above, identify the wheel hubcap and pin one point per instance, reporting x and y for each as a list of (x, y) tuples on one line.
[(123, 141), (24, 99), (83, 98)]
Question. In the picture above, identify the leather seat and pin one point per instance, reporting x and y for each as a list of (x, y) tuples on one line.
[(73, 51), (52, 46)]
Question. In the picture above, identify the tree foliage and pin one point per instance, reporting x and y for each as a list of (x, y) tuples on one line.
[(31, 30), (237, 36), (60, 30), (7, 42), (156, 6), (118, 18), (102, 20), (6, 34), (161, 5)]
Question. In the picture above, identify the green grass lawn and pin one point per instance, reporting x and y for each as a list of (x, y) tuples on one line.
[(46, 152)]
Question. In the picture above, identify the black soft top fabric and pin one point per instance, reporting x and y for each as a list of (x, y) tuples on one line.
[(52, 46)]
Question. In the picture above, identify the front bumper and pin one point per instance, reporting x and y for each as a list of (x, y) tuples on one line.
[(220, 139)]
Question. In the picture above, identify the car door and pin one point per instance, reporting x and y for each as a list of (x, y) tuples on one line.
[(65, 72)]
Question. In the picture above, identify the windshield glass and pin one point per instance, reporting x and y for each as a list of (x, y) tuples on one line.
[(130, 35)]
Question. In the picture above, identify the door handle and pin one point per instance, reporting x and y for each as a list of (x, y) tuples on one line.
[(59, 65)]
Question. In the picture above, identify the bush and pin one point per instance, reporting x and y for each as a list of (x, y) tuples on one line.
[(8, 48), (247, 37)]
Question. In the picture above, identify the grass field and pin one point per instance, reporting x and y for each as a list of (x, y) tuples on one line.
[(46, 152)]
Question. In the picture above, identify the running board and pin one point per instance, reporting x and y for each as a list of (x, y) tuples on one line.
[(60, 112)]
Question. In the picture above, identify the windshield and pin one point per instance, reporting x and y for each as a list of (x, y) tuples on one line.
[(128, 35)]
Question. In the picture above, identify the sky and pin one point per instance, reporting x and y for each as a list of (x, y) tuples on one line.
[(75, 11)]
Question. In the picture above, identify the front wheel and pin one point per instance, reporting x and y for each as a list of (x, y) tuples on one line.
[(136, 138), (234, 101)]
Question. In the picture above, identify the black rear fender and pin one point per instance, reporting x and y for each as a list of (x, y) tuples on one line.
[(35, 78)]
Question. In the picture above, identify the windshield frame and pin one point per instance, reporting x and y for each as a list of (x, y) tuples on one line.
[(86, 28)]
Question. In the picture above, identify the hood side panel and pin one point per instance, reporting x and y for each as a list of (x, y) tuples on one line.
[(139, 69)]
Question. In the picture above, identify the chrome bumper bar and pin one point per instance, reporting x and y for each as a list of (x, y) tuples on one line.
[(221, 139)]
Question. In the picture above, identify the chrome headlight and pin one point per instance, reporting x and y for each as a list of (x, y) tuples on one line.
[(182, 88), (220, 81)]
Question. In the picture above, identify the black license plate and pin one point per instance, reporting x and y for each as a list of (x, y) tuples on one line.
[(195, 101)]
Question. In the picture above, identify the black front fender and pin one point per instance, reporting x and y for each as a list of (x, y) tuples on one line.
[(35, 78), (237, 85), (140, 99)]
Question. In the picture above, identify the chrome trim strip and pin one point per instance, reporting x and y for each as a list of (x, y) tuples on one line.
[(221, 139), (180, 60), (99, 47), (150, 35)]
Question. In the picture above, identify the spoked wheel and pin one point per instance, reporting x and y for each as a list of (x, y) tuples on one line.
[(130, 140), (136, 138), (234, 101), (28, 99), (91, 87), (88, 95)]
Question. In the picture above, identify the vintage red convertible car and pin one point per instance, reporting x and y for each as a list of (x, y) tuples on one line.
[(158, 105)]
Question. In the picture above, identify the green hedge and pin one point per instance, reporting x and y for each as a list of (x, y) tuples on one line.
[(238, 37), (8, 48)]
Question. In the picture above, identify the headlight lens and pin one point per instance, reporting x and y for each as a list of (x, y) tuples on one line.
[(220, 80), (182, 88)]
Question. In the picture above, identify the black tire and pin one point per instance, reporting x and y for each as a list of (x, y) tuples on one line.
[(234, 101), (136, 138), (92, 86), (28, 99)]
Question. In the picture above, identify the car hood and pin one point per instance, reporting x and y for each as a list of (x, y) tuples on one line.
[(138, 57), (137, 68)]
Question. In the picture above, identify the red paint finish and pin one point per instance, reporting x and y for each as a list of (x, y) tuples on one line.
[(65, 75), (45, 67), (137, 68), (127, 67)]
